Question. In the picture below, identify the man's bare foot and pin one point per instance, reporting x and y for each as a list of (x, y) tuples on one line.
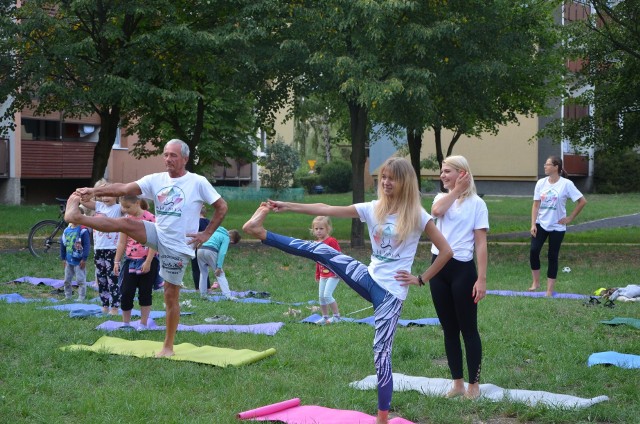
[(165, 352), (254, 225), (72, 210)]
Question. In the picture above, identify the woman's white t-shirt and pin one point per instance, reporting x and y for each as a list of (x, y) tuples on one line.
[(458, 223), (553, 202), (106, 240), (390, 255), (177, 202)]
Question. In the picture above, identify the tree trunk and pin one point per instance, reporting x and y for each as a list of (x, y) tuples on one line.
[(437, 131), (109, 122), (197, 133), (359, 122), (414, 141)]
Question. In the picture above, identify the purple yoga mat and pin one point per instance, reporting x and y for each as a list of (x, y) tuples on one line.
[(269, 328), (537, 294), (52, 282)]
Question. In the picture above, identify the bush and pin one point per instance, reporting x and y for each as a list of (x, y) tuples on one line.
[(617, 172), (279, 166), (309, 181), (336, 176)]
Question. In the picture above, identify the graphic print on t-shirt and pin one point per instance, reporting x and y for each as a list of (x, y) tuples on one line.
[(170, 201), (384, 236), (549, 199)]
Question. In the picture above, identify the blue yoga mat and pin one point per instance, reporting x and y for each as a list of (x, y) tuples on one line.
[(312, 319), (622, 360), (78, 310)]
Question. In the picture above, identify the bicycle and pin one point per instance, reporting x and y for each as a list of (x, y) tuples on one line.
[(44, 236)]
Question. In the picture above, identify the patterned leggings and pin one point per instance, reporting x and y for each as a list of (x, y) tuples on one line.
[(107, 282), (387, 307)]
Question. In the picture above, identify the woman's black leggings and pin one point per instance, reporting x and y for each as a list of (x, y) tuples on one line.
[(451, 290), (555, 240)]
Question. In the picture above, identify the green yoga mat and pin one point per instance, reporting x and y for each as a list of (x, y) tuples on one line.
[(217, 356), (629, 321)]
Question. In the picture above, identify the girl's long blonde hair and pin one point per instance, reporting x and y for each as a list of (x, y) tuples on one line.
[(405, 203), (460, 163)]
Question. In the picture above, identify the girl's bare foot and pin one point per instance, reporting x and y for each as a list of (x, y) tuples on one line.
[(164, 353), (72, 210), (254, 225)]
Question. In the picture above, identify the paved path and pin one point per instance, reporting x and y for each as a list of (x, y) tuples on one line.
[(632, 220)]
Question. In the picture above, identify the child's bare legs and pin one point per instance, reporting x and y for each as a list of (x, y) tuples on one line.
[(535, 276), (144, 314), (551, 283), (334, 308), (457, 389), (132, 228), (126, 317), (254, 225)]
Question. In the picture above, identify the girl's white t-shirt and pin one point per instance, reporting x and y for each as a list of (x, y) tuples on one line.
[(458, 225), (177, 202), (106, 240), (553, 202), (390, 255)]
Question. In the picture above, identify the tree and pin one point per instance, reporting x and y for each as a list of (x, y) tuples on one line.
[(338, 43), (80, 58), (472, 67), (280, 164), (607, 45)]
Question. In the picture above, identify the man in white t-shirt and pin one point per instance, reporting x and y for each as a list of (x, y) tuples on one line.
[(178, 196)]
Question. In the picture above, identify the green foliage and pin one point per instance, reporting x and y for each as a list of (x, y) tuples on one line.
[(279, 165), (337, 176), (608, 82), (617, 172)]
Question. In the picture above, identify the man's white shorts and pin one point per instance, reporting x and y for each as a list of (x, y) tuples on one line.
[(172, 264)]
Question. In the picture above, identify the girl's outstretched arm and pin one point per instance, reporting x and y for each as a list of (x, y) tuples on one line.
[(314, 209)]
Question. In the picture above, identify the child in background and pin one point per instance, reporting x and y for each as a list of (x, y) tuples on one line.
[(195, 268), (211, 255), (74, 251), (327, 281), (141, 267), (105, 245)]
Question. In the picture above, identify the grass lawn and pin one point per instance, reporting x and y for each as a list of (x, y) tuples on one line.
[(533, 344)]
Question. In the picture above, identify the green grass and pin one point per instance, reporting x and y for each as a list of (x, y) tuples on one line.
[(534, 344)]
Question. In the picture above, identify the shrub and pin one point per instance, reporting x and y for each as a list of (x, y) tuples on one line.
[(336, 176), (279, 166), (617, 172)]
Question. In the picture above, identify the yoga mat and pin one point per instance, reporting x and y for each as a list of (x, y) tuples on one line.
[(312, 319), (210, 355), (52, 282), (537, 294), (18, 298), (618, 321), (89, 310), (440, 386), (269, 328), (291, 412), (240, 299), (622, 360)]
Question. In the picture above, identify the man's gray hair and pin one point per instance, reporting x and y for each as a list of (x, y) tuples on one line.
[(184, 147)]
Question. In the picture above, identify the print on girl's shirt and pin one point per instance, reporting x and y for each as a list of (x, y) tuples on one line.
[(384, 235), (549, 199), (170, 201)]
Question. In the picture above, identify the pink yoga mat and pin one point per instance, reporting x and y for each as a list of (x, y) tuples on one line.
[(291, 412)]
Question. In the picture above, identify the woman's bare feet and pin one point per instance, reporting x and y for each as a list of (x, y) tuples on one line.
[(473, 391), (454, 393), (534, 287), (72, 213), (254, 225)]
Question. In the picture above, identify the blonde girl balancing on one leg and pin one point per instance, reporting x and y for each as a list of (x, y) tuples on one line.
[(462, 218), (395, 222), (327, 281)]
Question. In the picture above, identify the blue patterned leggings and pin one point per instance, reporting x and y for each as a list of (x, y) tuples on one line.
[(387, 307)]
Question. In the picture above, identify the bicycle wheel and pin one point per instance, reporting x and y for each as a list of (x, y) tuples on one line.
[(44, 238)]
